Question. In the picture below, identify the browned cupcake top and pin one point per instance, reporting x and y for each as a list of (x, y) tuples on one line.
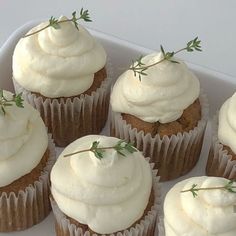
[(185, 123), (28, 179), (99, 77)]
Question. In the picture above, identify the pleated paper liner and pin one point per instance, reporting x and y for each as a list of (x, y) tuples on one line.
[(161, 227), (30, 205), (220, 162), (145, 226), (71, 118), (173, 156)]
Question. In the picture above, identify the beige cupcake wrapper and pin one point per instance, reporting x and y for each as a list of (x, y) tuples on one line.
[(219, 162), (146, 227), (70, 119), (161, 227), (30, 206), (173, 156)]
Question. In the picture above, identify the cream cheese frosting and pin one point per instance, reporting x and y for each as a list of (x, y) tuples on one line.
[(161, 95), (23, 141), (227, 123), (58, 62), (108, 195), (211, 213)]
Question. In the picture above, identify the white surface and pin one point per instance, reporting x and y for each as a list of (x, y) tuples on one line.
[(120, 53), (148, 23)]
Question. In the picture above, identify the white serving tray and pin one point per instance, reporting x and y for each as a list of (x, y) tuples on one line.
[(217, 86)]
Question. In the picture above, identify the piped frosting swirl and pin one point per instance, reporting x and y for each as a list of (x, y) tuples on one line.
[(161, 95), (227, 123), (108, 195), (58, 62), (23, 141), (211, 213)]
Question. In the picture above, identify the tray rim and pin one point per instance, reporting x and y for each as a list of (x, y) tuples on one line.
[(13, 38), (121, 42)]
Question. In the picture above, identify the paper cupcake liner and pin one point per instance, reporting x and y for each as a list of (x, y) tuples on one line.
[(147, 226), (161, 227), (220, 162), (173, 156), (71, 118), (29, 206)]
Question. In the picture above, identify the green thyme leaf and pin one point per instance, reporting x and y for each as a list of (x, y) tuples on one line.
[(85, 15), (4, 102)]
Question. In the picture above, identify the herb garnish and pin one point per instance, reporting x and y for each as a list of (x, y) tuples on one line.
[(228, 187), (120, 147), (139, 68), (55, 23), (4, 102)]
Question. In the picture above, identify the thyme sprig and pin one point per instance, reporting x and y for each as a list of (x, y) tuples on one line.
[(4, 102), (55, 23), (120, 147), (228, 187), (139, 68)]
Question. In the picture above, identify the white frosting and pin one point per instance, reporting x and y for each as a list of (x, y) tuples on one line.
[(162, 95), (58, 62), (211, 213), (108, 195), (227, 123), (23, 141)]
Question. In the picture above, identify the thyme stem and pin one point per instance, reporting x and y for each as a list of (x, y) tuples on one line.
[(98, 151), (228, 187), (55, 23), (199, 189), (139, 68), (87, 150), (158, 62)]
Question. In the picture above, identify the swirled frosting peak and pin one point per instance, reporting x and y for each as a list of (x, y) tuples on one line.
[(227, 123), (58, 62), (23, 141), (108, 195), (210, 213), (161, 95)]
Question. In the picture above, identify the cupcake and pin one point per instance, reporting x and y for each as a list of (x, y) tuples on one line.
[(62, 73), (209, 212), (164, 114), (26, 158), (222, 155), (103, 186)]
